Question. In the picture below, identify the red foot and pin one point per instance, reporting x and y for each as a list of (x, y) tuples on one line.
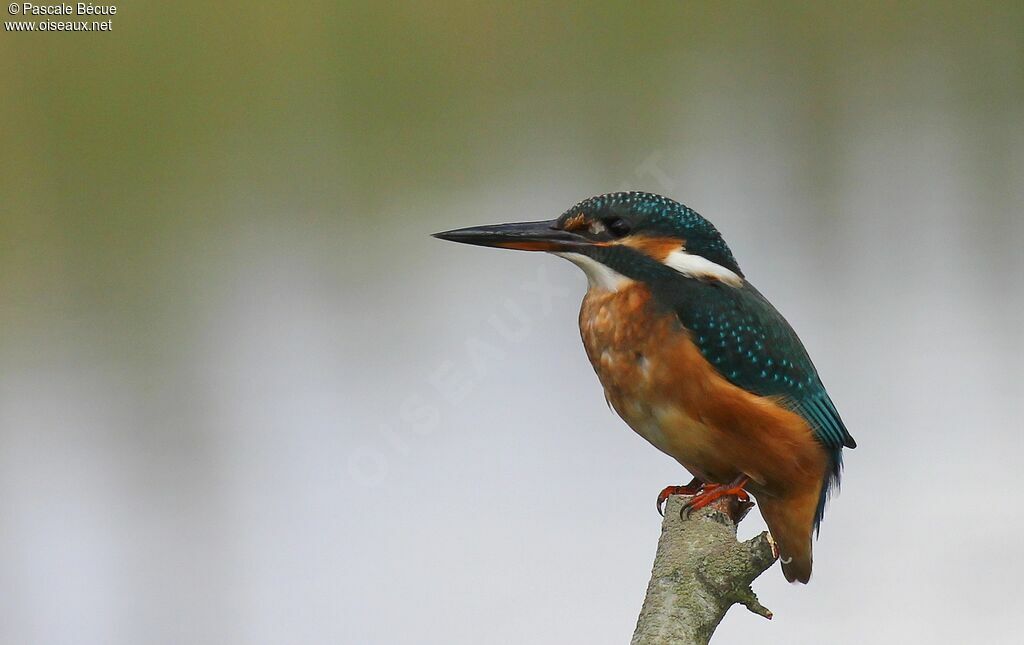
[(695, 486), (712, 492)]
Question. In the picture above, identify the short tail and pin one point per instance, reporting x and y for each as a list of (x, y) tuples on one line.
[(829, 485), (791, 522)]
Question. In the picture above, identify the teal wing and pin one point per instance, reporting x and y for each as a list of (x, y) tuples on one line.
[(742, 335), (750, 344)]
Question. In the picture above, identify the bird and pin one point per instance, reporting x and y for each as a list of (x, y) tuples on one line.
[(695, 360)]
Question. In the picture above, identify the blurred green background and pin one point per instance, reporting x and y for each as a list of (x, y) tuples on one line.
[(125, 153), (216, 281)]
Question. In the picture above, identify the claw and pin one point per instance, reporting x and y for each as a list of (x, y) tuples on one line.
[(714, 492), (693, 488)]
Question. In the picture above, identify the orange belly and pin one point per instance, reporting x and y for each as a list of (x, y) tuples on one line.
[(660, 384)]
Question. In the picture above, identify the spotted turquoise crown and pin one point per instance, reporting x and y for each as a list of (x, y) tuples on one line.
[(651, 214)]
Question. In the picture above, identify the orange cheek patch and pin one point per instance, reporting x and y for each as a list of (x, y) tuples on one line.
[(653, 247), (575, 223)]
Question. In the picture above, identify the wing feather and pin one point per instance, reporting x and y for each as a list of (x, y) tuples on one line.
[(750, 344)]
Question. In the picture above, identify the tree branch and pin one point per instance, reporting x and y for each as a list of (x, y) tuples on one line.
[(700, 571)]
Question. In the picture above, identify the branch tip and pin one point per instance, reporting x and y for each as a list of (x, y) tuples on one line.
[(748, 599), (700, 570)]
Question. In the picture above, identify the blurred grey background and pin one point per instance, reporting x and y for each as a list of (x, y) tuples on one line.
[(245, 398)]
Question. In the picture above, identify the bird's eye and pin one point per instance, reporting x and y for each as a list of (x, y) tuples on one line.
[(617, 226)]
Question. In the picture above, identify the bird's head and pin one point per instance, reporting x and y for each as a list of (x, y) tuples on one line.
[(619, 237)]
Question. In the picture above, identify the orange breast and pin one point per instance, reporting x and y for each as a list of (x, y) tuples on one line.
[(660, 384)]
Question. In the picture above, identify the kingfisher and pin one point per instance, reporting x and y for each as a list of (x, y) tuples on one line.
[(695, 360)]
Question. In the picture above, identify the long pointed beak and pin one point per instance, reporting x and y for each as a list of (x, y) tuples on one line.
[(523, 236)]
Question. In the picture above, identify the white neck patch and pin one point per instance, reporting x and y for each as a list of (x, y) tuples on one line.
[(599, 276), (696, 266)]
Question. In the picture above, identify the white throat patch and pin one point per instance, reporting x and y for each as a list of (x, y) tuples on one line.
[(696, 266), (599, 276)]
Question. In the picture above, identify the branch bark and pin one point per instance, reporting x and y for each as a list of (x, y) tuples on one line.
[(700, 571)]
